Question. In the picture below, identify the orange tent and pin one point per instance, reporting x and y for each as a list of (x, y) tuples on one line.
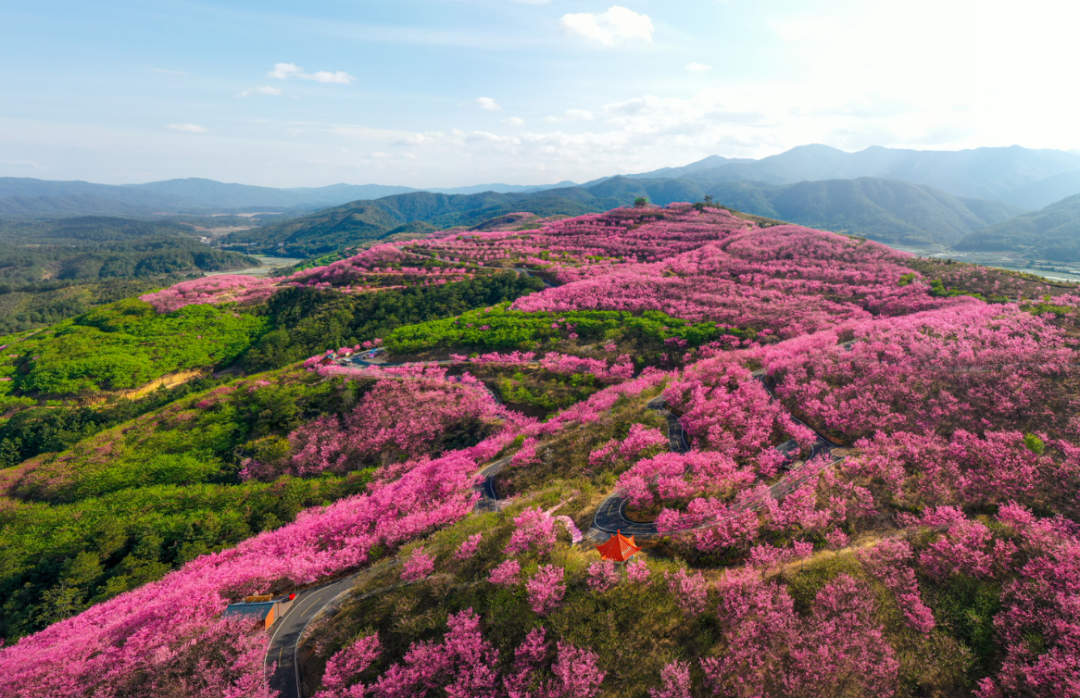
[(618, 548)]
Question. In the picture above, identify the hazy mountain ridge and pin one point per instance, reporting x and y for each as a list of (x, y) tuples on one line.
[(1014, 175), (1051, 233), (885, 210), (986, 173), (33, 198)]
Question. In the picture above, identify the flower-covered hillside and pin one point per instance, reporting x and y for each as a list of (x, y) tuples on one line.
[(849, 477)]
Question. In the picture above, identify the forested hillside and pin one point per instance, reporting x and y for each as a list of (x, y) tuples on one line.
[(842, 466), (53, 269), (1052, 233)]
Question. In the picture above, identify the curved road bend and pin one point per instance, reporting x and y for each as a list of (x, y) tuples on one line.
[(286, 631), (489, 498)]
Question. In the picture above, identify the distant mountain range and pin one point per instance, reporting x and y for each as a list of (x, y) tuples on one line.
[(886, 210), (1014, 175), (1018, 176), (35, 198), (978, 198)]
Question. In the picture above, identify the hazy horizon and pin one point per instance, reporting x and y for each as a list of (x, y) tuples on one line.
[(448, 93), (470, 184)]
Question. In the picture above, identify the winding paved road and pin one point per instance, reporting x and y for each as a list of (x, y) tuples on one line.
[(287, 630)]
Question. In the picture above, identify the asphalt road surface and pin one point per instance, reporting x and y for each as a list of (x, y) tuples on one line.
[(287, 630)]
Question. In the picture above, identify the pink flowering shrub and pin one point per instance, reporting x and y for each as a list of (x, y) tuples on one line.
[(725, 410), (767, 556), (770, 650), (603, 575), (576, 674), (469, 547), (970, 364), (546, 589), (690, 591), (462, 664), (676, 682), (640, 440), (889, 562), (637, 571), (1039, 624), (929, 469), (669, 478), (342, 670), (506, 574), (965, 547), (418, 566), (534, 532), (396, 420)]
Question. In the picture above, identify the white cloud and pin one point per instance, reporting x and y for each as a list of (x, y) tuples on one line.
[(514, 121), (487, 104), (698, 67), (284, 71), (187, 128), (265, 90), (340, 77), (578, 115), (24, 163), (609, 28)]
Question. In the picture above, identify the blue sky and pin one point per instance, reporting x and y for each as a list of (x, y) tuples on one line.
[(456, 92)]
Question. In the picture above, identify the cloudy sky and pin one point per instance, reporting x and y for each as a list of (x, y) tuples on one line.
[(455, 92)]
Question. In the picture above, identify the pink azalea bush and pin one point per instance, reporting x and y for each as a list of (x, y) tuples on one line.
[(469, 547), (418, 566), (603, 575), (342, 670), (506, 574), (534, 531), (546, 589), (397, 420)]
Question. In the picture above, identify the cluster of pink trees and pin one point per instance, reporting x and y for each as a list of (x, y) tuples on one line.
[(410, 412), (212, 290)]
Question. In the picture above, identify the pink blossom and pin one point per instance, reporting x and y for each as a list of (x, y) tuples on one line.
[(418, 566), (507, 573), (469, 547), (546, 589), (534, 532), (690, 591), (603, 575), (637, 571)]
